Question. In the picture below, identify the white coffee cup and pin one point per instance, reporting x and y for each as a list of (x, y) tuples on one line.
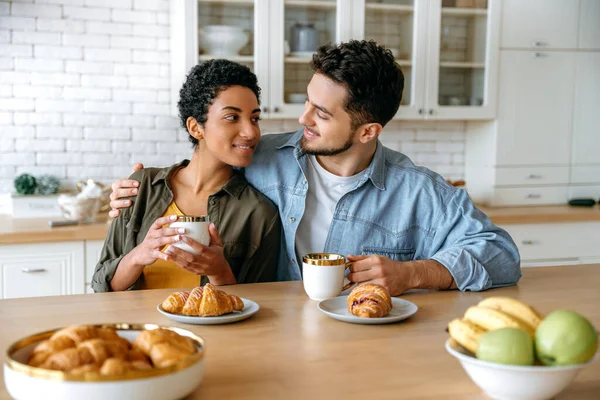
[(196, 228), (323, 275)]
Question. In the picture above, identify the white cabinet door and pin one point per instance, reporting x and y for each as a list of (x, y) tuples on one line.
[(566, 242), (93, 248), (586, 119), (41, 269), (589, 24), (540, 23), (535, 107)]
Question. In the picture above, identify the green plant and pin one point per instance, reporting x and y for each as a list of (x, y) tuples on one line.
[(25, 184)]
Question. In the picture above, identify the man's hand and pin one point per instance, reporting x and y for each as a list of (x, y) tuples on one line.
[(209, 261), (398, 277), (123, 188)]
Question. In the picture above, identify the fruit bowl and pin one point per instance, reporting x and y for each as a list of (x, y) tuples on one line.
[(500, 381)]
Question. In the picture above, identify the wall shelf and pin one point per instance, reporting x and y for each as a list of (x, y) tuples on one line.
[(248, 3), (326, 5), (239, 59), (455, 64), (398, 8), (465, 12)]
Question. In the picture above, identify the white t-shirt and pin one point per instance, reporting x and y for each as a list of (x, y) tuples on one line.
[(324, 191)]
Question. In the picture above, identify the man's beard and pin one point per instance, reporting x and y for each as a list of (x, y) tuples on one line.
[(325, 152)]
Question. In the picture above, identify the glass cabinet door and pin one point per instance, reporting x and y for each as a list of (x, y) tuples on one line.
[(298, 28), (399, 26), (462, 60), (235, 30)]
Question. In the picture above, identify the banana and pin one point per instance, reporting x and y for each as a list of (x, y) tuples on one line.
[(466, 333), (491, 319), (514, 308)]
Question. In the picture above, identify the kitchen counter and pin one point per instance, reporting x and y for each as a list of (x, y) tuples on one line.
[(289, 349), (19, 231), (14, 231)]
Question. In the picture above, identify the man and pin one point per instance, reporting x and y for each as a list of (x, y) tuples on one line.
[(340, 190)]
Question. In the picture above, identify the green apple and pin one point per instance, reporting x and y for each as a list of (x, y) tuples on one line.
[(511, 346), (565, 337)]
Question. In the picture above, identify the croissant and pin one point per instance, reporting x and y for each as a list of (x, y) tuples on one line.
[(164, 347), (206, 301), (87, 349), (369, 301)]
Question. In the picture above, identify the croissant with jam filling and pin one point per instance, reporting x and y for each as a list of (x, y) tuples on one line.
[(369, 301)]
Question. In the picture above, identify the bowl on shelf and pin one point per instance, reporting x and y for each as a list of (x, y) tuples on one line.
[(515, 382), (176, 381), (296, 98), (222, 40)]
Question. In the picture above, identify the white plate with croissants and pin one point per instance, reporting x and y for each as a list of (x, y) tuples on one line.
[(206, 305), (110, 361), (369, 304)]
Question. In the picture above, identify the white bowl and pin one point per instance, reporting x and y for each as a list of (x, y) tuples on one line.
[(175, 382), (296, 98), (500, 381), (222, 40)]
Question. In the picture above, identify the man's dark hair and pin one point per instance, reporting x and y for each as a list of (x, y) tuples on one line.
[(370, 74), (204, 83)]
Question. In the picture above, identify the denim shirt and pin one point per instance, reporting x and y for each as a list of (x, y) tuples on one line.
[(396, 209)]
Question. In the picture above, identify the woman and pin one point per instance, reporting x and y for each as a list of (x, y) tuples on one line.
[(219, 107)]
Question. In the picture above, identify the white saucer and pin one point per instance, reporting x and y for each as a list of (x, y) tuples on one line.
[(337, 308), (250, 308)]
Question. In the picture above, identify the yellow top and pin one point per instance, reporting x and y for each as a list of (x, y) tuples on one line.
[(166, 274)]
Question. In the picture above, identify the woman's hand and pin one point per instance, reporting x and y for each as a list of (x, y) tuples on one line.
[(210, 260), (157, 237)]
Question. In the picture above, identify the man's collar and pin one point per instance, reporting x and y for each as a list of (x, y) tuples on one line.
[(375, 171)]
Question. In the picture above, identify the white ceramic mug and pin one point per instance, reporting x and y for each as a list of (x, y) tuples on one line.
[(323, 275), (196, 228)]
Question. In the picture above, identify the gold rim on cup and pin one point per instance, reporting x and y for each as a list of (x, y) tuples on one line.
[(53, 375), (324, 259), (191, 218)]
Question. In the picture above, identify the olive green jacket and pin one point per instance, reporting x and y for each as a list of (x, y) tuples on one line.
[(246, 220)]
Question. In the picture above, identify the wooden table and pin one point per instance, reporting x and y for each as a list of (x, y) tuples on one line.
[(291, 350)]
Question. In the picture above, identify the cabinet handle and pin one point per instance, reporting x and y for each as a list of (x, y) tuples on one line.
[(529, 242), (32, 270), (276, 109), (533, 176), (537, 43), (431, 111), (421, 111), (537, 54), (266, 109), (533, 196)]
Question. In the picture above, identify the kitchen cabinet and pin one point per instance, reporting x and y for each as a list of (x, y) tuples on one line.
[(543, 147), (540, 24), (448, 54), (556, 243), (48, 269), (589, 26), (93, 248), (41, 269), (529, 117)]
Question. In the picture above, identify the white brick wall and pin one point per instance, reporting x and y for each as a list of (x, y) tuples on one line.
[(84, 92)]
